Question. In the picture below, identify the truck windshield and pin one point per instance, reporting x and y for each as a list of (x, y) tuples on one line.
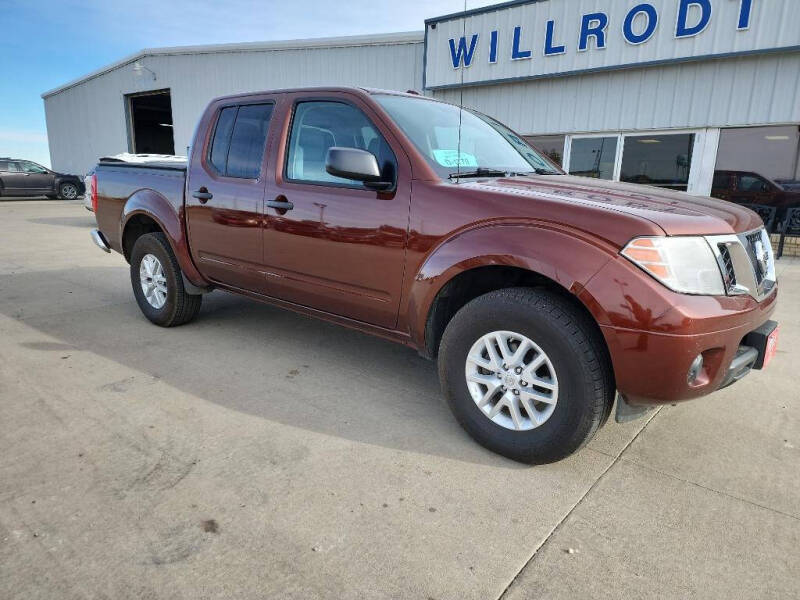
[(485, 146)]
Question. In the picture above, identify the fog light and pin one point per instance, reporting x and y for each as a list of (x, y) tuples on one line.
[(695, 368)]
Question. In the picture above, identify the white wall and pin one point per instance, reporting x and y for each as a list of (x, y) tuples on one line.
[(731, 92), (88, 120)]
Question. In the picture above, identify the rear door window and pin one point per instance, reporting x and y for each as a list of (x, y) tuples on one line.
[(248, 140), (240, 136), (9, 167), (222, 138)]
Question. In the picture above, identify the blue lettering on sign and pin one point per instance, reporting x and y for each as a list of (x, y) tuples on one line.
[(462, 54), (683, 30), (593, 25), (639, 26), (549, 48), (652, 23), (516, 53), (745, 10)]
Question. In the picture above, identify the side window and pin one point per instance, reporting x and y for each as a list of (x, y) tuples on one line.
[(752, 183), (13, 167), (318, 126), (222, 138), (721, 181), (237, 149), (29, 167)]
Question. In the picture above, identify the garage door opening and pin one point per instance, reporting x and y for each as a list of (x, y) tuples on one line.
[(151, 123)]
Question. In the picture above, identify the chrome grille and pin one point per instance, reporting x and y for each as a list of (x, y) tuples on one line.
[(727, 265), (752, 240), (746, 263)]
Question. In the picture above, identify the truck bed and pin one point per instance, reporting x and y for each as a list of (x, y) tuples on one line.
[(127, 187)]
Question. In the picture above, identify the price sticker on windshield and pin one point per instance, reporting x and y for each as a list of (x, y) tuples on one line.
[(454, 158)]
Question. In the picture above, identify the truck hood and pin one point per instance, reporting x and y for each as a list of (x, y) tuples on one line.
[(676, 213)]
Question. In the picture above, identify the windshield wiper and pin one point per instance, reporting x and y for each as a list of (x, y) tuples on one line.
[(491, 172), (479, 172)]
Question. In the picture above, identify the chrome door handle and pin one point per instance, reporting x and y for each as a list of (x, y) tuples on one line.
[(280, 204), (203, 195)]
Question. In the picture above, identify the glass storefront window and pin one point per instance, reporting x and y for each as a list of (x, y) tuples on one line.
[(551, 145), (658, 160), (593, 157)]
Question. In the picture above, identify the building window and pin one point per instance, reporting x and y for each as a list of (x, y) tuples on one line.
[(593, 157), (659, 160), (551, 145)]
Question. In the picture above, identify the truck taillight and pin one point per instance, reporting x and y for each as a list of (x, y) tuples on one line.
[(94, 192)]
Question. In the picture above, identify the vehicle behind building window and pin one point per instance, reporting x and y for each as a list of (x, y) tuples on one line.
[(753, 183), (239, 139), (318, 126), (722, 181)]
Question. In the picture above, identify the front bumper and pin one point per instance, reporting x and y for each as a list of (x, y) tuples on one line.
[(654, 335)]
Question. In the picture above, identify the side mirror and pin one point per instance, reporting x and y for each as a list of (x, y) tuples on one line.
[(356, 164)]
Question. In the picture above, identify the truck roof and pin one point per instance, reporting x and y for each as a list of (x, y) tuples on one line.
[(332, 89)]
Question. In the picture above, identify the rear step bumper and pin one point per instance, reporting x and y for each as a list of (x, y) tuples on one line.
[(100, 241)]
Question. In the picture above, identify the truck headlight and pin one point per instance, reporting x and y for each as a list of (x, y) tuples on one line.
[(683, 264)]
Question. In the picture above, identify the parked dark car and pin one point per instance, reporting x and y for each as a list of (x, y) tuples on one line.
[(745, 187), (26, 178)]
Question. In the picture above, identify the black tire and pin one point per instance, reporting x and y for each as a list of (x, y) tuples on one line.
[(68, 190), (179, 307), (578, 355)]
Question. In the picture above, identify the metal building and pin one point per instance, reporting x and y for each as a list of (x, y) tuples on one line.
[(673, 93), (151, 101)]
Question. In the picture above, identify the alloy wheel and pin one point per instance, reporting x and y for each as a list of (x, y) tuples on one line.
[(153, 281), (512, 380)]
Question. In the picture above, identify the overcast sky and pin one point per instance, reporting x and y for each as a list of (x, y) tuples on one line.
[(46, 43)]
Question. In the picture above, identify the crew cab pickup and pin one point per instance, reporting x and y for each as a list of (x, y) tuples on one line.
[(541, 295)]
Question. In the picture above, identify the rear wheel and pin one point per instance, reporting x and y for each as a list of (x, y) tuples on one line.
[(525, 373), (158, 284), (68, 191)]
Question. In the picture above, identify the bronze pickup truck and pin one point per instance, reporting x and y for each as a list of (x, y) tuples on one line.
[(540, 294)]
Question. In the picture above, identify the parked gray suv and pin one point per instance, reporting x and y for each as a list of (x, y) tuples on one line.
[(26, 178)]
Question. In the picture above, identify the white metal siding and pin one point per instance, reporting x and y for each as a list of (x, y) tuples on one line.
[(88, 119), (731, 92)]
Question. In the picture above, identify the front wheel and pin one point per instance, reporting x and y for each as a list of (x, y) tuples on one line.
[(158, 284), (68, 191), (526, 374)]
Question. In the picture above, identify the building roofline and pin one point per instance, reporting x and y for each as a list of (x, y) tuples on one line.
[(405, 37)]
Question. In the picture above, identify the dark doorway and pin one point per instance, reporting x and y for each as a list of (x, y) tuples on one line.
[(151, 123)]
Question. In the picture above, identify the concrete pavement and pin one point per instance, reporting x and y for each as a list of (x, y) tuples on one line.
[(259, 454)]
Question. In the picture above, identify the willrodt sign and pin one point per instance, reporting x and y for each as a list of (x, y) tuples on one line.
[(542, 38)]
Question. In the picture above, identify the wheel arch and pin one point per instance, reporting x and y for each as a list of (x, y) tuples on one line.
[(147, 211), (510, 256)]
